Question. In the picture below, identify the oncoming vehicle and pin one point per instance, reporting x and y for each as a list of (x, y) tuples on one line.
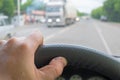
[(60, 13)]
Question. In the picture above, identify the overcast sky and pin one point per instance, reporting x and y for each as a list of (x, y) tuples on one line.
[(85, 5)]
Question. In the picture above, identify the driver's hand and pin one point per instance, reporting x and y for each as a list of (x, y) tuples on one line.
[(17, 60)]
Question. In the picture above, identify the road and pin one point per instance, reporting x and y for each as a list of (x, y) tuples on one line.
[(104, 36)]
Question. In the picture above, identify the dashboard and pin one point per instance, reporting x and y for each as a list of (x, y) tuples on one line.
[(78, 77), (82, 74)]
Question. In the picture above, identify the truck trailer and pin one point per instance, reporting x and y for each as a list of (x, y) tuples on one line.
[(60, 13)]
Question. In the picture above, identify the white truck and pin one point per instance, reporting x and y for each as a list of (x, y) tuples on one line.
[(60, 13)]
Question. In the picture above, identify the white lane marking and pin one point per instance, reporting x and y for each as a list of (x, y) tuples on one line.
[(49, 37), (59, 32), (103, 39)]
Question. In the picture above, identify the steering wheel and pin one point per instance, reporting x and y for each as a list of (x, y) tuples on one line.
[(81, 60)]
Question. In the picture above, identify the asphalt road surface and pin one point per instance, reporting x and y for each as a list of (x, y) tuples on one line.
[(104, 36)]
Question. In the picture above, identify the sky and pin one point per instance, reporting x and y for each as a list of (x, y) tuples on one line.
[(84, 5), (23, 1), (87, 5)]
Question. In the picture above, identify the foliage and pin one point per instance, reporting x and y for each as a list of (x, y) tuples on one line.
[(80, 13), (97, 13), (15, 2), (8, 7), (117, 6), (111, 9), (25, 5), (1, 1)]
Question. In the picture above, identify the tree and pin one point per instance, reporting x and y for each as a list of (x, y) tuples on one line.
[(25, 5), (117, 6), (81, 13), (98, 12), (15, 2), (8, 7), (1, 4), (112, 9)]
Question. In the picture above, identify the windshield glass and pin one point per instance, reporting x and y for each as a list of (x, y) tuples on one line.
[(53, 9), (90, 23)]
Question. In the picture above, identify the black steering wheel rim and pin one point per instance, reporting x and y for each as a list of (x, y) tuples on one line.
[(80, 57)]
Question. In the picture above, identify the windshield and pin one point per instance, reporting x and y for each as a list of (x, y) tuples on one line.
[(53, 8), (90, 23)]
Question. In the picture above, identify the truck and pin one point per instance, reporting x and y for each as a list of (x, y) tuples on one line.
[(60, 13)]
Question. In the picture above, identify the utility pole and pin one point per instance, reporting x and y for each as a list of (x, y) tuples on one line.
[(18, 11)]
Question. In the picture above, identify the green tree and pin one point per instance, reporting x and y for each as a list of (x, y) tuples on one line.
[(112, 9), (25, 5), (98, 12), (117, 6), (8, 7), (81, 13), (1, 4), (15, 2)]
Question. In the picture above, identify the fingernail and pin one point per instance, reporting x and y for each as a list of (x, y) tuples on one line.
[(62, 59), (58, 58)]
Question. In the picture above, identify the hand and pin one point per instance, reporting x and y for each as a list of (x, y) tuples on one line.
[(17, 60)]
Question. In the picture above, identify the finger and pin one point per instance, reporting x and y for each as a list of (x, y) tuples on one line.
[(12, 44), (34, 40), (12, 41), (54, 69), (2, 42)]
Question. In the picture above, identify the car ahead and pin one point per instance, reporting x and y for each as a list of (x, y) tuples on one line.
[(5, 28), (103, 18)]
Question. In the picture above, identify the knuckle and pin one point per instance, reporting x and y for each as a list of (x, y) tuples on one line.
[(24, 46), (12, 40), (2, 42), (57, 71)]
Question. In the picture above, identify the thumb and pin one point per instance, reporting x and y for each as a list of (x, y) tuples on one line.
[(54, 69)]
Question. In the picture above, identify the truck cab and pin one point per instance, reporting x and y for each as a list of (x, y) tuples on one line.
[(55, 14)]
